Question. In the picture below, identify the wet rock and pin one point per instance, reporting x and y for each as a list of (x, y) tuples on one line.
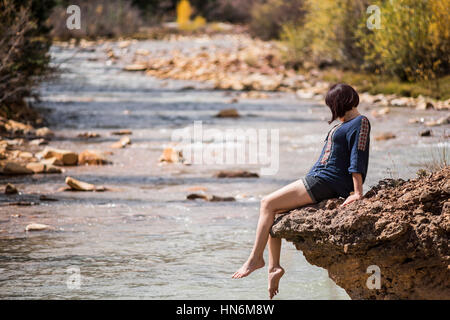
[(236, 174), (25, 155), (424, 105), (44, 197), (402, 102), (194, 196), (78, 185), (36, 167), (122, 143), (14, 168), (52, 161), (44, 132), (385, 136), (88, 135), (136, 67), (67, 157), (228, 113), (122, 132), (40, 167), (213, 198), (171, 155), (11, 189), (387, 228), (37, 227), (18, 127), (38, 142), (91, 157)]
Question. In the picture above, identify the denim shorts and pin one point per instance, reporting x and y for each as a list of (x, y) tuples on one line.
[(319, 189)]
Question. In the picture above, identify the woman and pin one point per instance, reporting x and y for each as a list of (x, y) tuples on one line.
[(339, 172)]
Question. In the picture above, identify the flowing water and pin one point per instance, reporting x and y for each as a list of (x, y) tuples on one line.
[(143, 239)]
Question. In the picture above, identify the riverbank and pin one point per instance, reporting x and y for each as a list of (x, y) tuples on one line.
[(255, 65), (400, 228)]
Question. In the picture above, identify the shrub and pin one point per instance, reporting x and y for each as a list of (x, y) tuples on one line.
[(269, 17), (414, 41), (329, 34), (99, 18), (24, 45), (184, 11)]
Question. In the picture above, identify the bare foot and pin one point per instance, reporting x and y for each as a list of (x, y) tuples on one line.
[(275, 275), (247, 268)]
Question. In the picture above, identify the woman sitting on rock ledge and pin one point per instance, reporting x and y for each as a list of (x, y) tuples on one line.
[(340, 171)]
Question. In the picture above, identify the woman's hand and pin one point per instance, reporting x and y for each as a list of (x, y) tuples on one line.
[(352, 198)]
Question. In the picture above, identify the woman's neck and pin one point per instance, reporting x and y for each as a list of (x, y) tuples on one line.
[(349, 115)]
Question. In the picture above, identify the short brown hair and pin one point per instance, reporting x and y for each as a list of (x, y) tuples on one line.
[(340, 98)]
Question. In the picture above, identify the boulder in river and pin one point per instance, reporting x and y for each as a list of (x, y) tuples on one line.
[(40, 167), (122, 132), (92, 157), (37, 227), (11, 189), (38, 142), (171, 155), (88, 135), (78, 185), (122, 143), (400, 228), (136, 67), (212, 198), (385, 136), (236, 174), (67, 157), (15, 168), (44, 132), (228, 113)]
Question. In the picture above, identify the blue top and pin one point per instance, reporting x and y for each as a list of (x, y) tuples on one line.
[(346, 150)]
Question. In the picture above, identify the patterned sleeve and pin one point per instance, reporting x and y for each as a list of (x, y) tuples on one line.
[(358, 143)]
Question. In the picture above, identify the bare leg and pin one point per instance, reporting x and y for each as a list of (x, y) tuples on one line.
[(275, 269), (287, 198)]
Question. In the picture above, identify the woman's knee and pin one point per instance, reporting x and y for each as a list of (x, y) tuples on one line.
[(266, 206)]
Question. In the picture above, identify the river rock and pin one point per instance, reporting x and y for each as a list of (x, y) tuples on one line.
[(67, 157), (385, 136), (91, 157), (425, 133), (40, 167), (122, 143), (38, 142), (424, 105), (213, 198), (170, 155), (15, 168), (78, 185), (88, 135), (136, 67), (122, 132), (11, 189), (52, 161), (37, 227), (402, 227), (44, 132), (228, 113), (18, 127), (236, 174)]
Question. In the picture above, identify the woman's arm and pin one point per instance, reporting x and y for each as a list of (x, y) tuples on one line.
[(357, 186)]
